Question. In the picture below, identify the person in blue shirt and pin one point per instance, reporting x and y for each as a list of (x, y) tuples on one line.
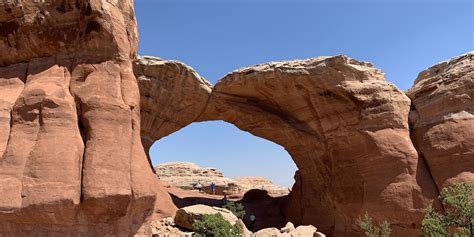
[(213, 188)]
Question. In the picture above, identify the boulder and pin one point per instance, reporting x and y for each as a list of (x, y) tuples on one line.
[(289, 227), (289, 231), (267, 232), (161, 227), (185, 217), (304, 230)]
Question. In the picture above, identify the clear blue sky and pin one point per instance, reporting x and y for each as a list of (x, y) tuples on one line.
[(401, 37)]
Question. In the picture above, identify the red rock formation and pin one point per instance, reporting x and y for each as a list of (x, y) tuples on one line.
[(443, 119), (345, 127), (71, 158), (167, 88)]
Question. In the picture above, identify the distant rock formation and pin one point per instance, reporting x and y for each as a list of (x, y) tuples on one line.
[(188, 175), (246, 183)]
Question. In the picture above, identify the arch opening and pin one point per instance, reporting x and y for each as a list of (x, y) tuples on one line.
[(223, 146), (245, 168)]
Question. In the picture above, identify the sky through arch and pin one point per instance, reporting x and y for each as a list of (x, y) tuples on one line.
[(222, 145)]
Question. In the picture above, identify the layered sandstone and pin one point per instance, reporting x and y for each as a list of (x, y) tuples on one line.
[(189, 176), (246, 183), (443, 119), (345, 127), (83, 30), (167, 88), (71, 158)]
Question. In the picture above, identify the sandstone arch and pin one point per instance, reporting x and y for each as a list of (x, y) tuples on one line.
[(71, 160), (345, 127)]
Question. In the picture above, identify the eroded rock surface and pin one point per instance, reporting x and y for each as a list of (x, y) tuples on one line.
[(188, 176), (167, 88), (345, 127), (71, 158), (443, 119), (246, 183), (81, 29)]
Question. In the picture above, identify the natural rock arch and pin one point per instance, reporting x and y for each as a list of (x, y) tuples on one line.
[(345, 127), (71, 160)]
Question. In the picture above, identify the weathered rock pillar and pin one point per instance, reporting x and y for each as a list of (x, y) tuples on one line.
[(71, 157)]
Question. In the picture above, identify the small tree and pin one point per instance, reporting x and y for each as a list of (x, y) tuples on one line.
[(371, 229), (458, 219), (236, 208), (214, 225)]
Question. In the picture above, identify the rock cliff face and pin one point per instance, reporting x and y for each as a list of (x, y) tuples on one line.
[(345, 127), (71, 158), (443, 119)]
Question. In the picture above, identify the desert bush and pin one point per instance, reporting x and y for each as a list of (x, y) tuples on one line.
[(458, 219), (371, 229), (236, 208), (214, 225)]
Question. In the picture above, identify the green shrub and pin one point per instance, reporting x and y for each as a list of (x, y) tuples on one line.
[(236, 208), (214, 225), (458, 219), (371, 229)]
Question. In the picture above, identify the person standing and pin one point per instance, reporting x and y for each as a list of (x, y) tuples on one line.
[(213, 188)]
